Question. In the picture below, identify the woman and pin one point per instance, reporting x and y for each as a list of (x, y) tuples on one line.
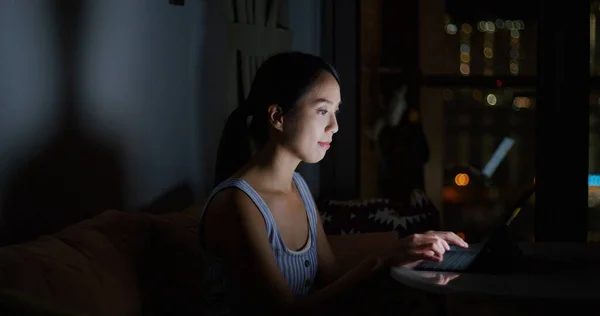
[(261, 233)]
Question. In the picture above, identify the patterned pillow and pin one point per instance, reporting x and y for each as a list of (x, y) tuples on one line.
[(341, 217)]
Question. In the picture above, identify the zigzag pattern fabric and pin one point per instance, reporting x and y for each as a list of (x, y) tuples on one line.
[(379, 215)]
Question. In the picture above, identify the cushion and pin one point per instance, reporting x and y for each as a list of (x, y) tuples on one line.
[(82, 267), (171, 272), (342, 217)]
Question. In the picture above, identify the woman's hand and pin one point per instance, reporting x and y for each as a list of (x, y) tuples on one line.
[(428, 246)]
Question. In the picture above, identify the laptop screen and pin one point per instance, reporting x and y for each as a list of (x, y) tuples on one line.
[(497, 157)]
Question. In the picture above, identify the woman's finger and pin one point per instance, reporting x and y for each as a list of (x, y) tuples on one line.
[(434, 243), (452, 238), (428, 255)]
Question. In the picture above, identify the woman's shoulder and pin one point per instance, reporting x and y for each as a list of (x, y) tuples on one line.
[(229, 198), (230, 205)]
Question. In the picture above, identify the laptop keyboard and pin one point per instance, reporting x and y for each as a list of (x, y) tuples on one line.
[(456, 259)]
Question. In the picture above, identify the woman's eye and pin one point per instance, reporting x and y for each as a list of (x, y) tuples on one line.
[(322, 112)]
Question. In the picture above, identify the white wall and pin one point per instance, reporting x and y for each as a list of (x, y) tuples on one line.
[(140, 63)]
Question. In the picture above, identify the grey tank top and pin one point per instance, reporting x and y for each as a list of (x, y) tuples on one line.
[(298, 267)]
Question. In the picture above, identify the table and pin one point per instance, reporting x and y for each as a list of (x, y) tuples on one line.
[(566, 289)]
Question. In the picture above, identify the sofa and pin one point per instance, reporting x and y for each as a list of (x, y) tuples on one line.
[(131, 263)]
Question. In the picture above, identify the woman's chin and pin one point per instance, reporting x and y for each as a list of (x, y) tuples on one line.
[(314, 159)]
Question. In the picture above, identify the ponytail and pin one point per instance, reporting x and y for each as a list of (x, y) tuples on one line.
[(234, 147)]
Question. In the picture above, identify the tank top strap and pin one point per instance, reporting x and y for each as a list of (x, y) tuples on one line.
[(309, 203), (251, 193)]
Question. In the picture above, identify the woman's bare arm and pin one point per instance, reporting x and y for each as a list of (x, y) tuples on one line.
[(329, 269), (239, 230)]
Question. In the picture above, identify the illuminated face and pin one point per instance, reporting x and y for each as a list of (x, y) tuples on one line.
[(310, 132)]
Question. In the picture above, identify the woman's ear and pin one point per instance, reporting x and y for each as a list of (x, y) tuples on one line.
[(276, 116)]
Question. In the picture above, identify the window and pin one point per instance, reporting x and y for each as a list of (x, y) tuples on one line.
[(475, 122), (466, 80)]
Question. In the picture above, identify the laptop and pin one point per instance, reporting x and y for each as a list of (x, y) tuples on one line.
[(496, 253), (460, 259)]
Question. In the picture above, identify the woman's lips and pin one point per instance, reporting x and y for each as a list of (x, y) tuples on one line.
[(325, 144)]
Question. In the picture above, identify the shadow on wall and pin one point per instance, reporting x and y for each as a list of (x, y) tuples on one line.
[(176, 199), (73, 177)]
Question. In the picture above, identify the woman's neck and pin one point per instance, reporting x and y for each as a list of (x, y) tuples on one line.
[(273, 168)]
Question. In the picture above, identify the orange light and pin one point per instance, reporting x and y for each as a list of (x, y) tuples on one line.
[(461, 179)]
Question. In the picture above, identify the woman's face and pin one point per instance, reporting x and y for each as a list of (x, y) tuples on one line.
[(309, 132)]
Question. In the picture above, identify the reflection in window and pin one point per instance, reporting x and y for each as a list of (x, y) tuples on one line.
[(490, 38), (476, 121), (490, 47)]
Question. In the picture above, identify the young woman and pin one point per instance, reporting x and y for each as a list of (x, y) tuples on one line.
[(264, 243)]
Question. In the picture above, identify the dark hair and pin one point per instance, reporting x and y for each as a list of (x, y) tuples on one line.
[(283, 79)]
